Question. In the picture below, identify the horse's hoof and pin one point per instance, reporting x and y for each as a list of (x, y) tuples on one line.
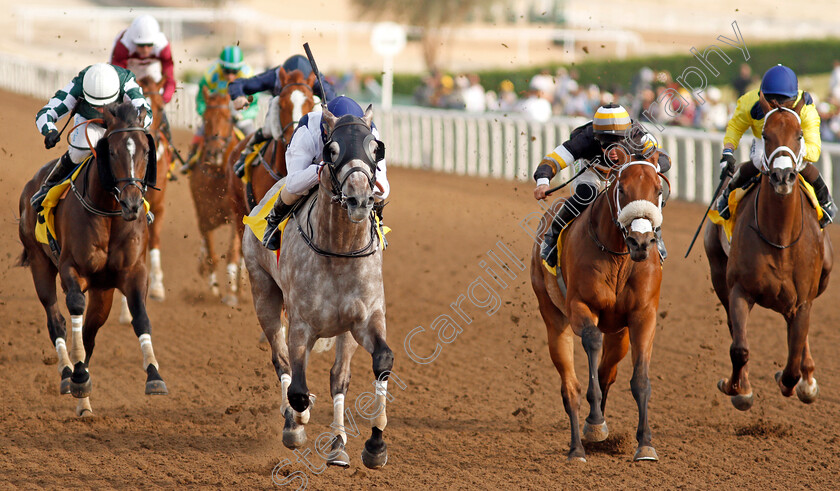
[(338, 456), (154, 382), (216, 292), (645, 453), (156, 387), (80, 384), (743, 402), (375, 460), (806, 392), (294, 435), (64, 387), (84, 413), (595, 433), (230, 300), (721, 385), (157, 293)]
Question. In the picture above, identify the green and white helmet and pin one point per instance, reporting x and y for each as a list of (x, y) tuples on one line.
[(231, 58), (101, 84)]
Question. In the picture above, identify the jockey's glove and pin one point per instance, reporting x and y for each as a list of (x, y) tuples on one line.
[(727, 162), (51, 139)]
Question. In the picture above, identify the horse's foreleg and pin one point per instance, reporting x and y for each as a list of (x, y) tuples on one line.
[(372, 338), (80, 384), (43, 274), (615, 348), (791, 376), (135, 292), (234, 256), (807, 388), (300, 344), (207, 261), (98, 309), (738, 387), (345, 346), (642, 329)]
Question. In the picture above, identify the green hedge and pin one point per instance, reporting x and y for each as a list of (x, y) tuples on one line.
[(804, 57)]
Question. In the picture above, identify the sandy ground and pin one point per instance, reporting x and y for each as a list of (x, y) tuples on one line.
[(485, 414)]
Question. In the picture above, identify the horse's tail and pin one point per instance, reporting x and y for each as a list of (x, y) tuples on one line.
[(24, 260)]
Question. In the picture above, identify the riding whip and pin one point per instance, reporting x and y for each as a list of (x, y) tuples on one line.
[(723, 177), (317, 72)]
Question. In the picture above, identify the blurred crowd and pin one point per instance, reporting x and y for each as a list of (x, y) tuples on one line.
[(560, 94)]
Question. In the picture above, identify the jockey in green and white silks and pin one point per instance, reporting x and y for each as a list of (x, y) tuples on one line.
[(610, 126), (88, 92)]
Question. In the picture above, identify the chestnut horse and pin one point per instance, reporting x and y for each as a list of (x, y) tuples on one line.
[(611, 297), (209, 186), (295, 100), (779, 259), (102, 233)]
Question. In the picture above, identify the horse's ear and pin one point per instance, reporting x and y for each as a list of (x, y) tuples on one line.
[(311, 79), (368, 117), (205, 91), (329, 118), (763, 104), (282, 75), (141, 116)]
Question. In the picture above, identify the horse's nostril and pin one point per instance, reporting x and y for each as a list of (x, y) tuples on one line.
[(632, 242), (352, 202)]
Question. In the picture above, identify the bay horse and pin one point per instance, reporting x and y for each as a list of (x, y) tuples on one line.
[(102, 232), (778, 258), (294, 101), (610, 296), (209, 186), (328, 277)]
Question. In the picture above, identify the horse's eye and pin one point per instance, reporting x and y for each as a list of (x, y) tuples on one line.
[(333, 151)]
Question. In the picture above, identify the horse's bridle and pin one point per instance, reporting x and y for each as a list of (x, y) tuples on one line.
[(796, 159)]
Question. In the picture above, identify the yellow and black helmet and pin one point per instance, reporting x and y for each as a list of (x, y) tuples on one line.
[(611, 119)]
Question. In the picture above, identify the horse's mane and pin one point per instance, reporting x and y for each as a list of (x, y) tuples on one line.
[(124, 111)]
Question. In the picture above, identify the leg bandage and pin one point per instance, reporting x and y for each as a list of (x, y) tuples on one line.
[(61, 351), (78, 349), (148, 351), (338, 417), (381, 420)]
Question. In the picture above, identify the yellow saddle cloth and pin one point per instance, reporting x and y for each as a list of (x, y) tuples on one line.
[(257, 223), (738, 194), (45, 224), (249, 160)]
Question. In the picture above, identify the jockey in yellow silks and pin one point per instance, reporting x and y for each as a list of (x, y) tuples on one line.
[(779, 85)]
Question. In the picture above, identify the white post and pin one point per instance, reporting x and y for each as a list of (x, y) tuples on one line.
[(387, 82)]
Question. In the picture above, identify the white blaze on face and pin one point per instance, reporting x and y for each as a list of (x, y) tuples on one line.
[(131, 147), (297, 99), (641, 225)]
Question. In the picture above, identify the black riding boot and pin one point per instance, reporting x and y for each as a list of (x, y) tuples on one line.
[(660, 244), (239, 167), (574, 206), (58, 173), (825, 200), (281, 211), (744, 173)]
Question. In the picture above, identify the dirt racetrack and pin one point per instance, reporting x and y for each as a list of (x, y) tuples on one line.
[(485, 414)]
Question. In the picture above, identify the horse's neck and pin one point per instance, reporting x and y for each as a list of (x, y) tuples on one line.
[(333, 229), (779, 216)]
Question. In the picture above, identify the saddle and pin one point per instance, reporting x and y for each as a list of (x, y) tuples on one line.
[(737, 195), (45, 221)]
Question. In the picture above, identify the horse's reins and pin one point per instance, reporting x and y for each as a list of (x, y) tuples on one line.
[(339, 198), (116, 192)]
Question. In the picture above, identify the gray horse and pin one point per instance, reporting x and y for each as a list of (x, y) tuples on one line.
[(328, 277)]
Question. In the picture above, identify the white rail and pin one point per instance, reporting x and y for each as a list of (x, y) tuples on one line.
[(506, 146)]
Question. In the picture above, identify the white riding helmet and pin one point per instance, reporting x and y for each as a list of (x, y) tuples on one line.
[(101, 84), (143, 30)]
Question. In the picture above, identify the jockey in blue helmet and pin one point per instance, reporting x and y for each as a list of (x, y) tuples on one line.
[(304, 162)]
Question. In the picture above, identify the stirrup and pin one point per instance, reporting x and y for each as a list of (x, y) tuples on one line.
[(548, 248), (239, 166), (829, 212), (39, 196)]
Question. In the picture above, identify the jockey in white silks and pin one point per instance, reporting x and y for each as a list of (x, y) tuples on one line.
[(304, 162)]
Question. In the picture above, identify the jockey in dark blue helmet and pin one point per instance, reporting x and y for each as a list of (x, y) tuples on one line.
[(271, 80), (303, 163)]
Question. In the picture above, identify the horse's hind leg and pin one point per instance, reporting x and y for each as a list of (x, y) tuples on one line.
[(156, 290), (207, 261), (44, 272), (372, 338), (134, 289), (268, 303), (738, 387), (615, 348), (345, 346), (828, 263), (792, 377), (642, 329), (233, 273)]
